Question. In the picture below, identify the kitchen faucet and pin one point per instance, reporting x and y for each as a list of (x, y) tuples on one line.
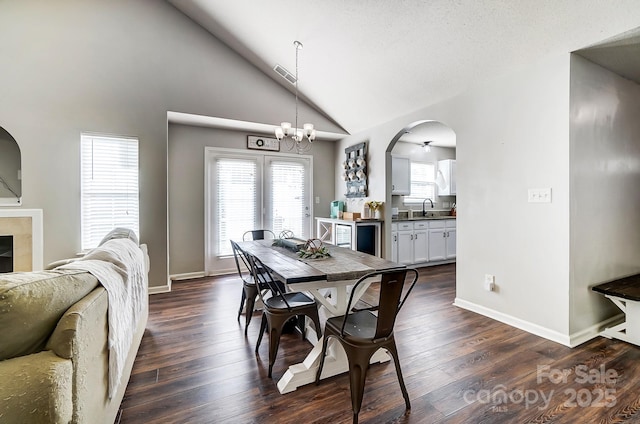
[(424, 212)]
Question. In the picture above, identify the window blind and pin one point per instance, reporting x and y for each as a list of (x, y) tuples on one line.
[(109, 186), (237, 200), (288, 196)]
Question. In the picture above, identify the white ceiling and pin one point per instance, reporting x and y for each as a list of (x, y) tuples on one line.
[(367, 62)]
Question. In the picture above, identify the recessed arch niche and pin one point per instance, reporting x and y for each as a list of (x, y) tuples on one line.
[(10, 170)]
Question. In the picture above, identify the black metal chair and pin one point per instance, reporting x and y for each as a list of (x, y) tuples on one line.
[(258, 235), (280, 308), (361, 333), (250, 289)]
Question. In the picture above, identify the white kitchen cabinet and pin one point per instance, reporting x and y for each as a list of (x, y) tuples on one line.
[(400, 175), (446, 179), (442, 239), (420, 241), (412, 242)]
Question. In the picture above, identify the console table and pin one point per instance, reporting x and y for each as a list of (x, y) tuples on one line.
[(625, 294), (363, 235)]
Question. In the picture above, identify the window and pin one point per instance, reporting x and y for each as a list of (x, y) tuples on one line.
[(109, 186), (423, 184), (247, 190), (287, 207), (236, 201)]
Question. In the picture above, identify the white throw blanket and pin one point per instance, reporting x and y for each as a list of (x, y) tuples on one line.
[(119, 266)]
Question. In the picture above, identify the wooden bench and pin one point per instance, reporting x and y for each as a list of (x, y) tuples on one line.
[(625, 294)]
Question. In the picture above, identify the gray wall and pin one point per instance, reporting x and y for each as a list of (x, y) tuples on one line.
[(566, 124), (186, 190), (512, 134), (116, 67), (605, 186)]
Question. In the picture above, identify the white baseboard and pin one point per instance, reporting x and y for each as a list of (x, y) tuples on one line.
[(187, 276), (160, 289), (595, 330), (571, 340)]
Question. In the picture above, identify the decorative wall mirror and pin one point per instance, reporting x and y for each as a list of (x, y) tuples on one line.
[(10, 170)]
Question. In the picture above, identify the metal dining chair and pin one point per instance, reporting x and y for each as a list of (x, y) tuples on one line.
[(250, 289), (261, 234), (362, 333), (280, 308)]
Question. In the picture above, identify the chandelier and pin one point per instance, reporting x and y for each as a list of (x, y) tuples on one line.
[(295, 138)]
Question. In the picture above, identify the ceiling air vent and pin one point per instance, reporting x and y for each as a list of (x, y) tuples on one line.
[(285, 74)]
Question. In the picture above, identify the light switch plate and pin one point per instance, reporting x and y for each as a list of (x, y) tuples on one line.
[(539, 195)]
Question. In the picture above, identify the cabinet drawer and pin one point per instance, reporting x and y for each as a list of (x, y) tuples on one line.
[(421, 225), (437, 224), (405, 226), (394, 227), (451, 223)]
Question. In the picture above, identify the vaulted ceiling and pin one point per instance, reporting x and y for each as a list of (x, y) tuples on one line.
[(367, 62)]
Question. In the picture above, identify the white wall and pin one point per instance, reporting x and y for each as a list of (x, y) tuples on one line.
[(512, 134), (186, 190), (605, 186), (116, 67)]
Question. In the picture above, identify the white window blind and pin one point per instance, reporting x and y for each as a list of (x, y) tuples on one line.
[(109, 186), (237, 200), (287, 206), (422, 182)]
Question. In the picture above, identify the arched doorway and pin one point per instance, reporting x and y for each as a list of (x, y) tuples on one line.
[(10, 170), (422, 154)]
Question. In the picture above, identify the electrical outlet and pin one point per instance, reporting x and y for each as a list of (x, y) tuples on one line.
[(489, 282), (317, 200)]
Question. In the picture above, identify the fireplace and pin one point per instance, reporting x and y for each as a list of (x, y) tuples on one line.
[(21, 241), (6, 253)]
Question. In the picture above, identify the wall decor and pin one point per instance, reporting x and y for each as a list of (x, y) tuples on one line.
[(263, 143), (355, 172)]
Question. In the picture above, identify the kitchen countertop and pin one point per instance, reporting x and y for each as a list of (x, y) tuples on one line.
[(424, 218)]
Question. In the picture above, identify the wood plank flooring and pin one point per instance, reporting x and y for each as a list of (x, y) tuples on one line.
[(196, 366)]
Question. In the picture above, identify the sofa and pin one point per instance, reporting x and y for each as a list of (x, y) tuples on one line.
[(57, 343)]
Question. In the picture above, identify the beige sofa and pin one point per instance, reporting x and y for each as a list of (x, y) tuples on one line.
[(54, 349)]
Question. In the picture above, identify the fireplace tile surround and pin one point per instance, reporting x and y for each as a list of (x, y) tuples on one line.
[(25, 225)]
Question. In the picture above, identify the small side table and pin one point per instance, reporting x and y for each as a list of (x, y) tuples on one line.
[(625, 294)]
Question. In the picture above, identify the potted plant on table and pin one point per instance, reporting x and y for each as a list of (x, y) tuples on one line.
[(375, 206)]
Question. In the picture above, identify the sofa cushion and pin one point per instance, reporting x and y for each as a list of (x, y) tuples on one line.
[(31, 304)]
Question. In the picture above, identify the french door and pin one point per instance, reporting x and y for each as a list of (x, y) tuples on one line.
[(247, 190)]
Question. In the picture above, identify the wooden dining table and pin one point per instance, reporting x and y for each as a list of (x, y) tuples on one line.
[(329, 280)]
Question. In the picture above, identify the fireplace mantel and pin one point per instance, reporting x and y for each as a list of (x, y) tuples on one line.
[(9, 218)]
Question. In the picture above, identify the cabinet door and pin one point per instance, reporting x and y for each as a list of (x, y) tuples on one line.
[(400, 175), (447, 175), (451, 243), (437, 244), (420, 246), (405, 247), (394, 246)]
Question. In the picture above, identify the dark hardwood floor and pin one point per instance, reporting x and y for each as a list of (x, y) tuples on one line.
[(196, 366)]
